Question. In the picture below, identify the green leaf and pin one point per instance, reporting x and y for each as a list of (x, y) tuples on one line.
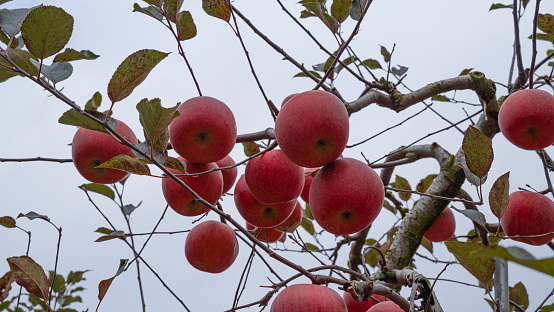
[(318, 9), (307, 213), (217, 8), (132, 72), (478, 151), (67, 300), (441, 98), (33, 215), (100, 189), (465, 71), (356, 9), (525, 2), (112, 235), (548, 308), (172, 8), (311, 247), (104, 230), (148, 150), (387, 205), (94, 102), (186, 29), (6, 74), (427, 244), (56, 72), (372, 257), (308, 226), (303, 74), (340, 9), (403, 184), (104, 285), (5, 286), (424, 184), (128, 209), (474, 215), (250, 148), (520, 256), (481, 268), (75, 277), (155, 121), (126, 163), (24, 60), (4, 1), (500, 6), (518, 294), (386, 54), (72, 117), (176, 164), (11, 20), (545, 37), (546, 23), (156, 3), (150, 11), (59, 283), (73, 55), (46, 30), (29, 274), (499, 195), (7, 221)]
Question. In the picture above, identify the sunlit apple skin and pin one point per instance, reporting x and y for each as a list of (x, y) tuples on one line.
[(529, 213), (92, 148), (229, 175), (211, 246), (361, 306), (208, 186), (205, 131), (273, 178), (312, 128), (266, 235), (526, 119), (385, 306), (443, 228), (308, 297), (293, 221), (346, 196), (308, 178), (259, 214)]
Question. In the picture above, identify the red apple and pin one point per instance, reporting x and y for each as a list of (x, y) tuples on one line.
[(229, 175), (312, 129), (293, 221), (386, 306), (287, 98), (273, 178), (308, 297), (267, 235), (308, 178), (92, 148), (208, 186), (529, 213), (526, 118), (205, 131), (346, 196), (443, 228), (361, 306), (211, 246), (259, 214)]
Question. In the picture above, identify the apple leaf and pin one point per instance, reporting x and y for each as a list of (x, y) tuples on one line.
[(156, 3), (474, 215), (496, 6), (104, 285), (499, 195), (126, 163), (94, 102), (403, 184), (303, 74), (440, 98), (6, 74), (372, 64), (128, 209), (424, 184), (318, 9), (56, 72), (311, 247), (427, 244), (75, 277), (465, 71), (155, 121), (46, 30), (186, 29), (176, 164), (11, 20), (30, 275), (99, 188), (132, 72), (401, 70), (104, 230), (356, 9), (74, 55), (548, 308), (518, 294), (217, 8), (112, 235), (387, 205), (148, 150), (308, 226), (250, 148), (7, 221), (148, 10), (481, 268), (308, 212), (471, 178), (546, 23), (386, 54), (73, 117), (478, 151), (372, 257), (340, 9), (5, 285), (23, 59), (545, 37), (519, 256), (172, 7), (33, 215)]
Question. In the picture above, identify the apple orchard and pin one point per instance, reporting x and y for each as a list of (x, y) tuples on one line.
[(279, 157)]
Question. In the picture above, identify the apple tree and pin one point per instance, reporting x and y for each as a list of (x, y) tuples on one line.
[(337, 173)]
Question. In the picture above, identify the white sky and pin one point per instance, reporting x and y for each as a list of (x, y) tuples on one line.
[(436, 39)]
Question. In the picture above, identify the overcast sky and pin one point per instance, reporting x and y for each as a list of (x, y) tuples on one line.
[(436, 39)]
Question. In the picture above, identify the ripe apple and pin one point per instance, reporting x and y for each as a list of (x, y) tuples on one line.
[(229, 175), (526, 118), (529, 213), (267, 235), (205, 131), (92, 148), (273, 178), (346, 196), (293, 221), (211, 246), (308, 297), (385, 306), (443, 228), (308, 178), (259, 214), (287, 98), (312, 129), (208, 186), (361, 306)]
